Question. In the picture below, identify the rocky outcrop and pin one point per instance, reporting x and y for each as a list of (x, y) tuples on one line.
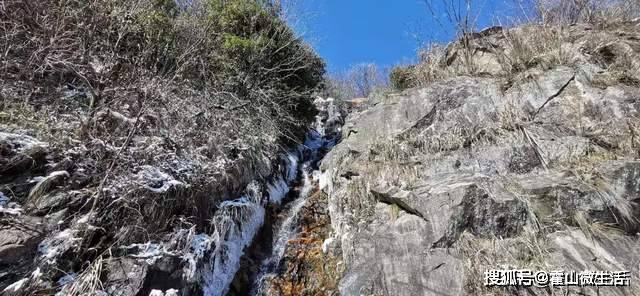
[(433, 186), (309, 265)]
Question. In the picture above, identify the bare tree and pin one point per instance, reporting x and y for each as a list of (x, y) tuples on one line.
[(359, 81)]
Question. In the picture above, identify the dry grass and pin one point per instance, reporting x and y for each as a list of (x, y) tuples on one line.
[(88, 282), (46, 184), (543, 40), (430, 68), (503, 53), (620, 207), (512, 115), (526, 251), (358, 201), (530, 46), (561, 12)]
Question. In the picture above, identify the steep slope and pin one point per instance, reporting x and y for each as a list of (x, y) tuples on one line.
[(539, 170), (141, 141)]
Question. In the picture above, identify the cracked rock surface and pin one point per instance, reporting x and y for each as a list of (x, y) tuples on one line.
[(433, 186)]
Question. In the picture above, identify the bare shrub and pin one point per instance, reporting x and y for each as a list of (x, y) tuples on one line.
[(430, 67), (358, 82), (533, 45), (543, 38), (402, 78), (195, 91), (589, 11)]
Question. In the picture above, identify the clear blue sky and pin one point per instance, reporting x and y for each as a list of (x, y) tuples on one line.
[(384, 32)]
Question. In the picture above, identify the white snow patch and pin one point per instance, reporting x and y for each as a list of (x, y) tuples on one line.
[(149, 251), (36, 273), (326, 244), (279, 187), (323, 179), (170, 292), (199, 245), (83, 220), (36, 179), (4, 200), (155, 180), (15, 286), (11, 208), (291, 161), (20, 142), (67, 279), (59, 173), (51, 247)]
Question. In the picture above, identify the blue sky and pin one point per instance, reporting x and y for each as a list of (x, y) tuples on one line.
[(384, 32)]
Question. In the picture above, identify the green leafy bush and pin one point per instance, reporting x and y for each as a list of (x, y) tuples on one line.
[(156, 24), (256, 54)]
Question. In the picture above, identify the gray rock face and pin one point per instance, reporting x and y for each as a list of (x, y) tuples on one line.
[(458, 203), (431, 187), (19, 240), (392, 256), (126, 277), (573, 250)]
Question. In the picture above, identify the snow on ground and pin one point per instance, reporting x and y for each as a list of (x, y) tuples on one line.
[(15, 287), (291, 160), (149, 251), (155, 180), (54, 246), (11, 208), (67, 279), (20, 142), (198, 247)]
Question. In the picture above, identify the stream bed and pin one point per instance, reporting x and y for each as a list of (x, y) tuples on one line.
[(252, 232)]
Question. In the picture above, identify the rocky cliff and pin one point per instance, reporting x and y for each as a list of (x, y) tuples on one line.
[(161, 163), (538, 169)]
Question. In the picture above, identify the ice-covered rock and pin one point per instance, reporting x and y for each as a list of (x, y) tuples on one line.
[(155, 180), (21, 142)]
